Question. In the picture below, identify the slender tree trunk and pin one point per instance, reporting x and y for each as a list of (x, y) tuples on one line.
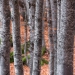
[(66, 38), (26, 11), (50, 32), (31, 26), (5, 38), (16, 37), (38, 37), (58, 23), (43, 39), (43, 25), (27, 7), (54, 27), (58, 15)]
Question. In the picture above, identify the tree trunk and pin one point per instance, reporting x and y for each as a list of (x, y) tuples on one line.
[(50, 32), (58, 15), (15, 17), (54, 28), (31, 26), (25, 11), (38, 37), (5, 38), (43, 24), (66, 38), (27, 7), (58, 23)]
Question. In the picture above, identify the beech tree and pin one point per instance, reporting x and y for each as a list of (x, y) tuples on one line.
[(5, 38), (27, 7), (43, 23), (66, 38), (31, 26), (50, 33), (60, 16), (37, 38), (54, 29), (15, 17)]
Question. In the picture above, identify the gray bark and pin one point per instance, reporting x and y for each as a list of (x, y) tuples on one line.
[(27, 7), (66, 38), (26, 13), (43, 25), (54, 28), (38, 37), (58, 21), (15, 17), (22, 5), (31, 26), (5, 38), (58, 15)]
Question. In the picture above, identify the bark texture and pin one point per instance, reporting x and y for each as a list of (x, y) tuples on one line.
[(38, 37), (5, 38), (58, 21), (27, 7), (43, 23), (66, 38), (31, 26), (15, 17), (54, 28), (58, 15)]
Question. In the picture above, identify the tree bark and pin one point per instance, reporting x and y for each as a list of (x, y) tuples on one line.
[(43, 24), (58, 15), (50, 33), (58, 21), (31, 26), (27, 7), (5, 38), (54, 28), (38, 37), (66, 38), (15, 17), (26, 15)]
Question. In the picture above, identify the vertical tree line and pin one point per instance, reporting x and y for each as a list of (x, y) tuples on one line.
[(5, 35), (66, 39), (15, 17), (60, 18)]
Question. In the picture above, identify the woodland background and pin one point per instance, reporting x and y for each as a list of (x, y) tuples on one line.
[(37, 37)]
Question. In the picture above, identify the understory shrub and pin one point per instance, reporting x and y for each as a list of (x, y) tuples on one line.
[(11, 42), (24, 60), (43, 61), (11, 57), (43, 50)]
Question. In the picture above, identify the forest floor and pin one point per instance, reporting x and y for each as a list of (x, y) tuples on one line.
[(44, 68)]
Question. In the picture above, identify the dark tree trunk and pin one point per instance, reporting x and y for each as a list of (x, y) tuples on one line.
[(66, 38), (15, 17), (37, 38), (31, 26), (5, 38), (54, 28)]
